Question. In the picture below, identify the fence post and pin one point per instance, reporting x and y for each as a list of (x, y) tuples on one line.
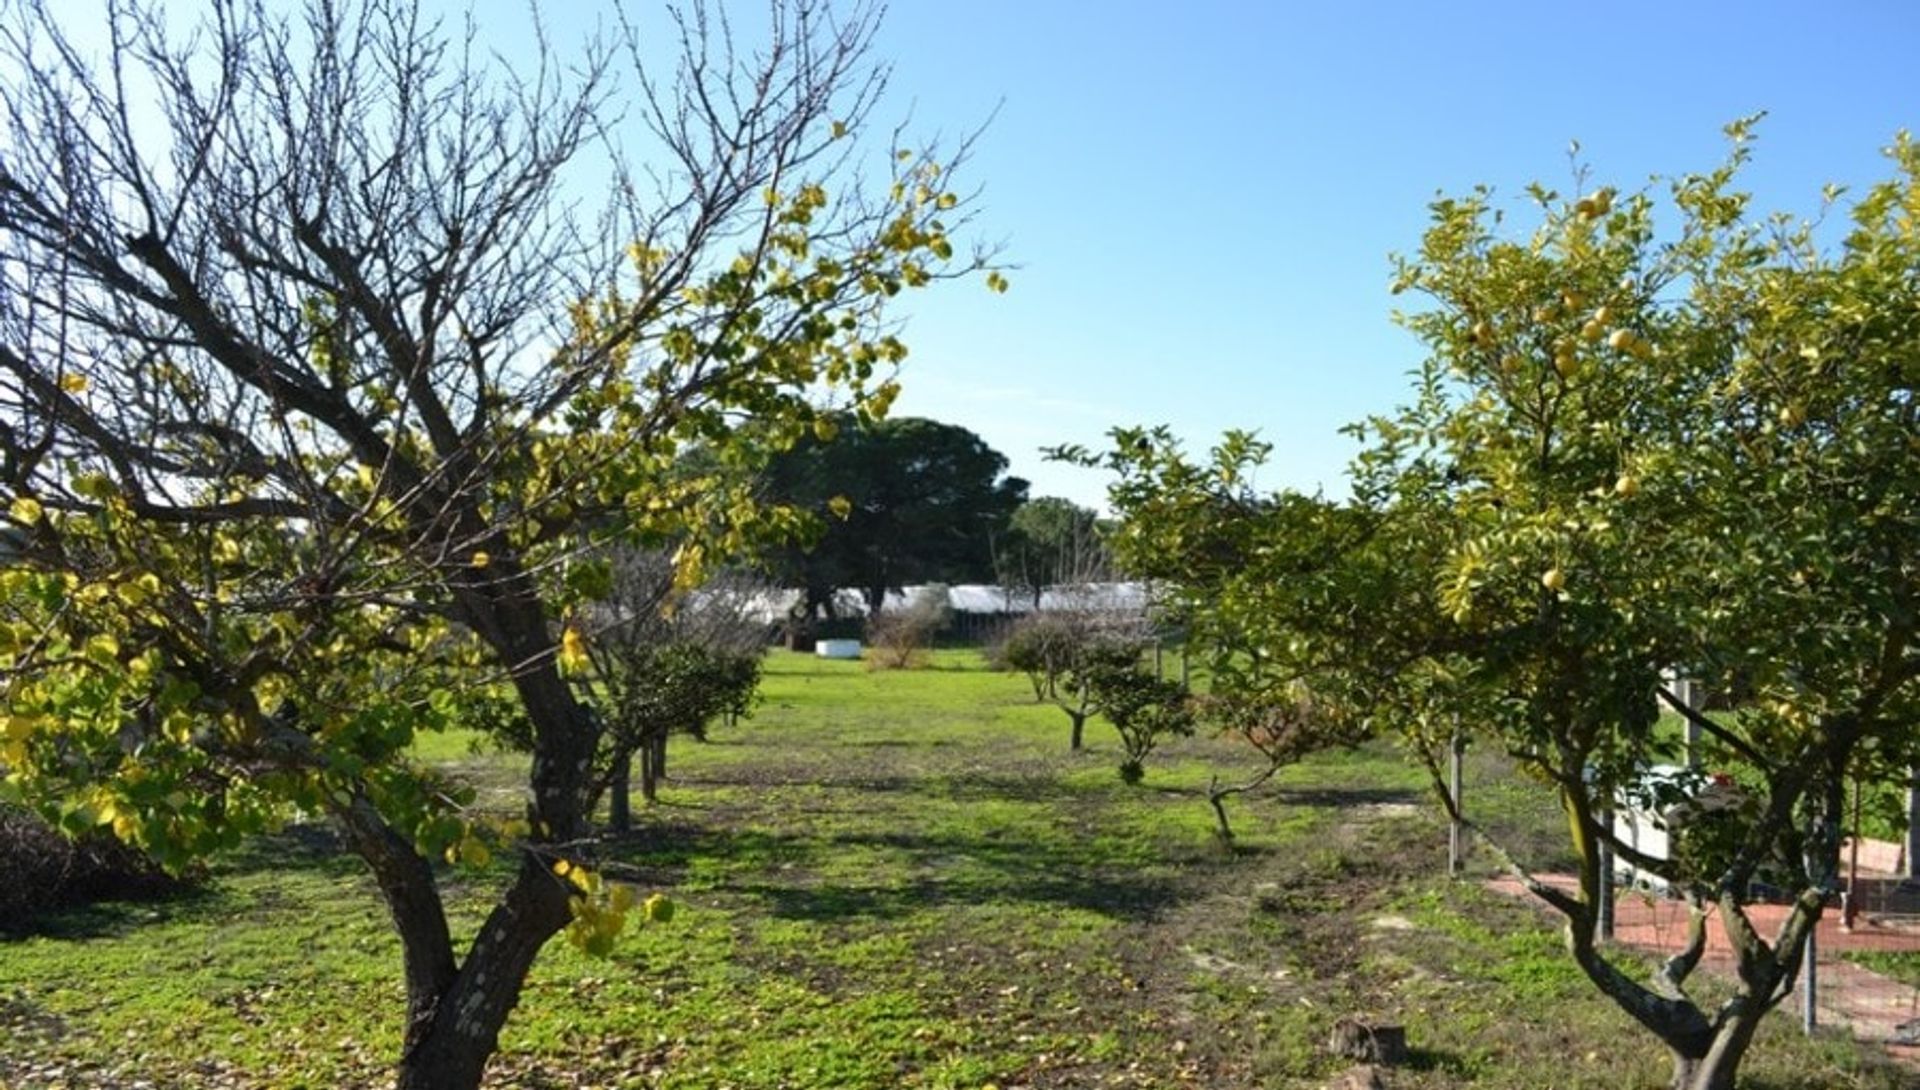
[(1810, 985), (1604, 910), (1913, 828), (1689, 694), (1456, 835)]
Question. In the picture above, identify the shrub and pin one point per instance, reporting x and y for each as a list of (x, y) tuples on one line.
[(900, 639), (46, 870)]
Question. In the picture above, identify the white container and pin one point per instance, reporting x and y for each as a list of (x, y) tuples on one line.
[(837, 649)]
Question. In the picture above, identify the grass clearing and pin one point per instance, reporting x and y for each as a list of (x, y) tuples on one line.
[(897, 879)]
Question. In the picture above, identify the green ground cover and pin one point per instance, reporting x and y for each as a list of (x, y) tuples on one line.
[(899, 879), (1901, 966)]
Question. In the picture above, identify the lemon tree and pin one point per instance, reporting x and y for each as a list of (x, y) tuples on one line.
[(1641, 440)]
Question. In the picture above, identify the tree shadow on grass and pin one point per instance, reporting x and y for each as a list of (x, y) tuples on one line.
[(1044, 784), (102, 919), (1130, 899), (301, 848), (1344, 798), (782, 871)]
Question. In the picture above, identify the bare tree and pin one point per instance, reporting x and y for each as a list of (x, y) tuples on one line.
[(900, 638), (1050, 542), (313, 375)]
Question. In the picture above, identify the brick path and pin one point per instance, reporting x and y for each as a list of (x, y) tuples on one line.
[(1874, 1007)]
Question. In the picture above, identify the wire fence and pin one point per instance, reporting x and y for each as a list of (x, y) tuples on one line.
[(1865, 974)]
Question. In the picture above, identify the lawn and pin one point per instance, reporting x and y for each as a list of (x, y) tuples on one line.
[(897, 879)]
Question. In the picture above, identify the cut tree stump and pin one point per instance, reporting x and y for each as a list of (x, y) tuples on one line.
[(1369, 1043)]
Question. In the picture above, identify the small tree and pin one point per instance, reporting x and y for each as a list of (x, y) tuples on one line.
[(1060, 651), (901, 638), (653, 692), (1281, 727), (1244, 573), (1144, 709), (666, 661)]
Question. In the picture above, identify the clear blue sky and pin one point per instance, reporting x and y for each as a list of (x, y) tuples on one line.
[(1203, 196)]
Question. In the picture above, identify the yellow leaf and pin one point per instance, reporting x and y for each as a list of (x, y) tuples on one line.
[(26, 509), (73, 384), (103, 649), (839, 129), (94, 486), (138, 590), (481, 559), (573, 651), (840, 506)]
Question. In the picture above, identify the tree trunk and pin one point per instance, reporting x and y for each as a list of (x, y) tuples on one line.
[(1216, 798), (451, 1036), (619, 790), (1720, 1067), (1079, 729), (455, 1008), (652, 768), (1706, 1052)]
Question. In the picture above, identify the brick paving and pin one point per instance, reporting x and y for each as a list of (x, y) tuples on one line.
[(1874, 1007)]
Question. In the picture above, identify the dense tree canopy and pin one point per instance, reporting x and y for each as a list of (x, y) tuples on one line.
[(901, 501), (1627, 452), (315, 379)]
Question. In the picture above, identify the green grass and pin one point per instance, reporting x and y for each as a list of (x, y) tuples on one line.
[(896, 879), (1900, 966)]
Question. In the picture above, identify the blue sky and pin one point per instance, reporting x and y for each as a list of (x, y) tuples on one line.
[(1203, 196)]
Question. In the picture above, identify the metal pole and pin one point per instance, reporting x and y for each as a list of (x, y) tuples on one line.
[(1689, 693), (1604, 910), (1456, 835), (1849, 897), (1913, 828), (1810, 985)]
